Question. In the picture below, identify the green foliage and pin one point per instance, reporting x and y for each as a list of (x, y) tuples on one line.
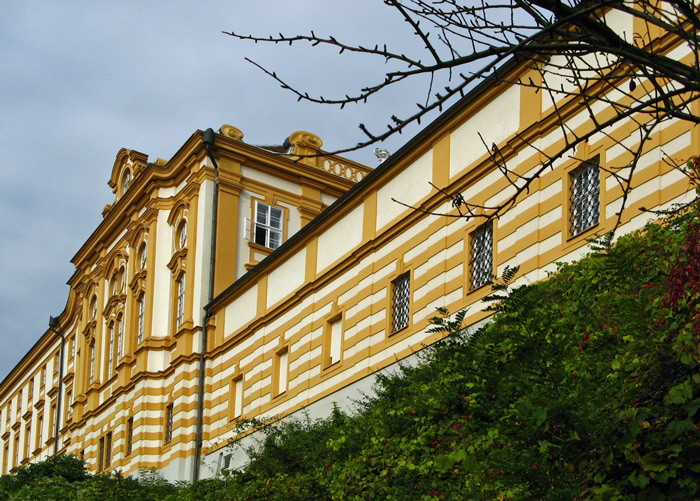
[(584, 386)]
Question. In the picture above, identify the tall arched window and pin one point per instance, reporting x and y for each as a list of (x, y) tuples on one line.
[(142, 257), (92, 362), (110, 358), (180, 299), (120, 335), (142, 311)]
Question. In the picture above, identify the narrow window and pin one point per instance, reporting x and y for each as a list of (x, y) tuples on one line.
[(6, 458), (142, 257), (17, 448), (401, 298), (101, 454), (120, 336), (181, 299), (27, 441), (168, 423), (142, 310), (92, 362), (282, 368), (43, 376), (93, 307), (481, 255), (334, 340), (30, 392), (182, 235), (238, 396), (268, 225), (111, 351), (39, 430), (129, 435), (585, 197), (108, 450), (126, 181)]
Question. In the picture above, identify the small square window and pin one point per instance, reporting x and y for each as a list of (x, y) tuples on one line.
[(481, 255), (584, 197), (268, 225), (401, 299)]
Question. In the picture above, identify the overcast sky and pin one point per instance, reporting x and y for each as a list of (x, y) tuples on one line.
[(80, 80)]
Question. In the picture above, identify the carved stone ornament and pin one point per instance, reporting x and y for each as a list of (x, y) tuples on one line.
[(232, 132), (307, 138)]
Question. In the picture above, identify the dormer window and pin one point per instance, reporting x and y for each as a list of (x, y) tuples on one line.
[(126, 180), (182, 235), (142, 257)]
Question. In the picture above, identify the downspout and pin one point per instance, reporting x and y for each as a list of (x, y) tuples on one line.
[(208, 139), (53, 323)]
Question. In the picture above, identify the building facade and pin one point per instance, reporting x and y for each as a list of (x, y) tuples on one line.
[(234, 281)]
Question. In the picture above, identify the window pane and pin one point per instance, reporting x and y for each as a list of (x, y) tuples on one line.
[(401, 295), (275, 239), (276, 218), (482, 255), (261, 213)]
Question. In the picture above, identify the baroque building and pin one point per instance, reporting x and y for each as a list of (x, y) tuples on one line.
[(235, 281)]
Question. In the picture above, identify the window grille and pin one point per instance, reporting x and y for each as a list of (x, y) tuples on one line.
[(111, 351), (142, 309), (268, 225), (120, 330), (401, 298), (481, 255), (92, 363), (129, 435), (168, 423), (181, 300), (108, 450), (585, 197)]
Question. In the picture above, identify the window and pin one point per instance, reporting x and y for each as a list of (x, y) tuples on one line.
[(180, 317), (182, 235), (108, 450), (481, 255), (400, 300), (27, 441), (30, 392), (142, 257), (142, 309), (282, 365), (6, 457), (110, 358), (268, 225), (237, 396), (92, 362), (39, 430), (584, 203), (43, 376), (120, 336), (334, 341), (126, 180), (101, 454), (129, 435), (168, 423), (93, 307)]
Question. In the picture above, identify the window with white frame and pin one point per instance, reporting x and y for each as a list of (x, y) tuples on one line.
[(400, 300), (584, 197), (142, 310), (180, 317), (120, 335), (481, 255), (268, 228), (110, 359), (92, 362)]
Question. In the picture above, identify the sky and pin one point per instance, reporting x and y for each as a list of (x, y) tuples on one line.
[(81, 79)]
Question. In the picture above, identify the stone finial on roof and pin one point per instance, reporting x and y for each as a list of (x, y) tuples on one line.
[(232, 132)]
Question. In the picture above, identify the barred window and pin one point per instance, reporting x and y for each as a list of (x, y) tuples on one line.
[(585, 197), (168, 423), (142, 309), (401, 299), (481, 255), (110, 360), (129, 435), (181, 300)]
